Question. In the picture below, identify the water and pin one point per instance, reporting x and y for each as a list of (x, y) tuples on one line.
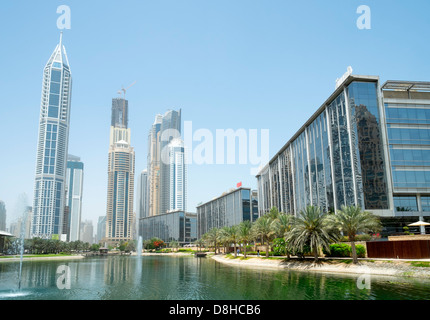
[(189, 278), (139, 246)]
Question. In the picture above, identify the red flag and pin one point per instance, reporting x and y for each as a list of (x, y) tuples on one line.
[(239, 185)]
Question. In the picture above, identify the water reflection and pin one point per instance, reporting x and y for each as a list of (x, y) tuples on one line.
[(189, 278)]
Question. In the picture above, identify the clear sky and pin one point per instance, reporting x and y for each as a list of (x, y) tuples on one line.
[(227, 64)]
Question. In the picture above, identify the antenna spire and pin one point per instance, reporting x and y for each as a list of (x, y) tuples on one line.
[(61, 40)]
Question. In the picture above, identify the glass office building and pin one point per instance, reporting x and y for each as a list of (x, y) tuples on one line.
[(121, 169), (229, 209), (50, 180), (353, 152), (74, 195), (176, 226)]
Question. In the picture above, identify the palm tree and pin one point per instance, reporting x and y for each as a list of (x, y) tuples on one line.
[(245, 234), (352, 220), (311, 228), (273, 213), (232, 237), (263, 228), (200, 243), (282, 225), (213, 237)]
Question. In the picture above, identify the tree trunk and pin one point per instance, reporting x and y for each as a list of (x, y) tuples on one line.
[(244, 250), (267, 248), (354, 253), (316, 255), (235, 250)]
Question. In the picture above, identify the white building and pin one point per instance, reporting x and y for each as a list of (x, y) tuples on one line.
[(50, 179), (75, 183), (178, 176)]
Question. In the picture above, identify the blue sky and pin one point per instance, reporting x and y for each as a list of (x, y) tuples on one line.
[(227, 64)]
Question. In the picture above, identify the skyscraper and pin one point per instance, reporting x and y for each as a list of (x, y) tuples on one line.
[(75, 182), (142, 195), (50, 180), (119, 214), (2, 216), (154, 167), (178, 176), (170, 129)]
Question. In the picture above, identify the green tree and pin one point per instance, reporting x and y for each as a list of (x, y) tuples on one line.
[(95, 247), (273, 213), (282, 224), (213, 236), (200, 243), (174, 245), (311, 227), (263, 228), (231, 236), (245, 234), (352, 220)]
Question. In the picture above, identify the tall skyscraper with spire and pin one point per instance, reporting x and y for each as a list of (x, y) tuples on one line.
[(170, 129), (178, 176), (121, 166), (165, 128), (52, 148)]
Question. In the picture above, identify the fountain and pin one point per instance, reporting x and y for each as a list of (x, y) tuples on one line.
[(139, 246), (24, 210)]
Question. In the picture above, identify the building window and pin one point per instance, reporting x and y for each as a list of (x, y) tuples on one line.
[(425, 203), (405, 203)]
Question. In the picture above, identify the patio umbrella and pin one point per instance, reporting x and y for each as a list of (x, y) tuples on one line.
[(419, 224)]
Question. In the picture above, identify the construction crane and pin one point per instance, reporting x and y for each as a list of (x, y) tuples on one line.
[(124, 90)]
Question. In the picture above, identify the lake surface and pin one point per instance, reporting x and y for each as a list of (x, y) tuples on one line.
[(189, 278)]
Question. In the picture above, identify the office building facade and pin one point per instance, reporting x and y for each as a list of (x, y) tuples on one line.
[(2, 216), (176, 226), (345, 154), (143, 195), (121, 167), (50, 180), (229, 209), (170, 129), (74, 196), (165, 128), (178, 176), (153, 163)]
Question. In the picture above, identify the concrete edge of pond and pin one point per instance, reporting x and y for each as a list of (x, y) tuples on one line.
[(381, 268), (36, 258)]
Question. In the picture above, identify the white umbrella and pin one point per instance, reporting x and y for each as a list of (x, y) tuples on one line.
[(420, 224)]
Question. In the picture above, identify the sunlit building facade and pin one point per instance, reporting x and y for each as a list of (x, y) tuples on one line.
[(74, 196), (178, 226), (121, 169), (229, 209), (351, 152), (53, 138)]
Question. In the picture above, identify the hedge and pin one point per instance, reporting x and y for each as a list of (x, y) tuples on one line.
[(343, 250)]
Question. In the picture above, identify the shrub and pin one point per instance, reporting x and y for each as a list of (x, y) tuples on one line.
[(338, 250), (361, 251), (343, 250), (280, 247), (359, 237)]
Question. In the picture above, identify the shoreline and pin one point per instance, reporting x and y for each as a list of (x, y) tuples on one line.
[(36, 258), (378, 268)]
